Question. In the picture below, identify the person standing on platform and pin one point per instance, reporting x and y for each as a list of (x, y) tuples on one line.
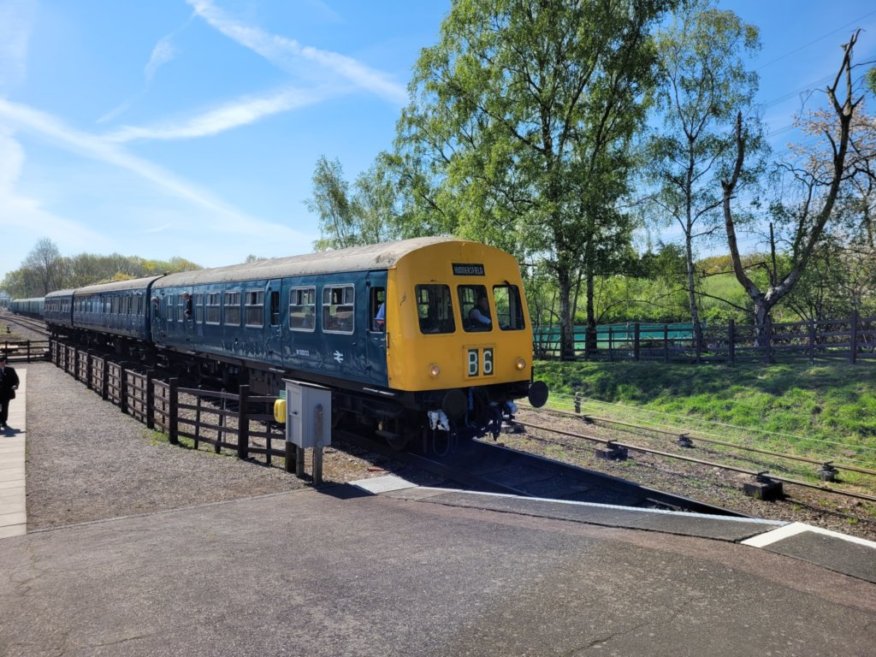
[(8, 386)]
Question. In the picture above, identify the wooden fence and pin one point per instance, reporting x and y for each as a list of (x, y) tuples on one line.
[(239, 422), (25, 350), (851, 340)]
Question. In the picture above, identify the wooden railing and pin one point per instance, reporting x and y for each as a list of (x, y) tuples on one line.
[(240, 422)]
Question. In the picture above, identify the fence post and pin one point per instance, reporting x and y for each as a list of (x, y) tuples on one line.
[(853, 339), (76, 364), (150, 400), (123, 388), (172, 408), (731, 342), (243, 424), (811, 341), (637, 338), (104, 382), (610, 342), (666, 343), (88, 370)]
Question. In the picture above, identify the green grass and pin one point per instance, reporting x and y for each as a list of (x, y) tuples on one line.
[(823, 411)]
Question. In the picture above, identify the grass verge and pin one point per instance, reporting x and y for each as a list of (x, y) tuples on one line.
[(821, 411)]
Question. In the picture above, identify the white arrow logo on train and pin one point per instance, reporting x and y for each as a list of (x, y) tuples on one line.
[(339, 356)]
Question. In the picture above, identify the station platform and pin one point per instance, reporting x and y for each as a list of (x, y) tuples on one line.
[(13, 500), (838, 552)]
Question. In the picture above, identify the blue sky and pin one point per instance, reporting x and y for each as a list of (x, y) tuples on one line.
[(191, 127)]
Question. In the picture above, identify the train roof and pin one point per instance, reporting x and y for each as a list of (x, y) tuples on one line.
[(116, 286), (358, 258), (61, 293)]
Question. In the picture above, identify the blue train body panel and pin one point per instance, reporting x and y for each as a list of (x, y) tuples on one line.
[(59, 308), (261, 321), (32, 307), (120, 308)]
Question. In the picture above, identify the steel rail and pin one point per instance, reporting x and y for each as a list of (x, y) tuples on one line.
[(648, 450), (713, 441)]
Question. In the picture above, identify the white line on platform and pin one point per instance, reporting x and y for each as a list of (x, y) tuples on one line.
[(795, 528)]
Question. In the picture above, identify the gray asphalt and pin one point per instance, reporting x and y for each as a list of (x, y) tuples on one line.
[(334, 574)]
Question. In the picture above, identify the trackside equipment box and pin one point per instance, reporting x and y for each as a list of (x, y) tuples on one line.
[(308, 414)]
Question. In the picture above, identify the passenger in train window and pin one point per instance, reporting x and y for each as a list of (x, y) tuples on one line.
[(380, 318), (480, 314)]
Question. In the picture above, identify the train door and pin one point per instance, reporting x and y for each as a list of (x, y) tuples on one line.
[(273, 319), (376, 338)]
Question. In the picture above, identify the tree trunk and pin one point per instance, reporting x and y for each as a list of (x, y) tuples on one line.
[(691, 294), (763, 328), (590, 341), (567, 332)]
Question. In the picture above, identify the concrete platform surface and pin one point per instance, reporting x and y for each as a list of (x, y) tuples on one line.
[(340, 572)]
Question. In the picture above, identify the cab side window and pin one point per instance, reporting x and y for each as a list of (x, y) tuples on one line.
[(377, 310), (508, 307), (435, 309)]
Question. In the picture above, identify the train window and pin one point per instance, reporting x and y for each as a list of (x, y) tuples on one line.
[(377, 311), (337, 308), (435, 309), (232, 308), (255, 308), (213, 308), (199, 308), (475, 307), (509, 310), (302, 308)]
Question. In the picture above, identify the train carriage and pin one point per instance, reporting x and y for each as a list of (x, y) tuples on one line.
[(119, 309), (32, 307), (59, 310)]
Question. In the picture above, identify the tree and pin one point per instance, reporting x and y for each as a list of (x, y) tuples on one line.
[(45, 267), (819, 181), (705, 84), (363, 216), (519, 125)]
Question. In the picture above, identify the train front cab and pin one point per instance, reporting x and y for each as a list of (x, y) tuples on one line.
[(466, 374)]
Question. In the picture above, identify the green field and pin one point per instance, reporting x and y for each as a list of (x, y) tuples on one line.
[(824, 411)]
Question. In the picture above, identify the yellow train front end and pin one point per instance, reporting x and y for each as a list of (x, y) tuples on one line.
[(458, 336)]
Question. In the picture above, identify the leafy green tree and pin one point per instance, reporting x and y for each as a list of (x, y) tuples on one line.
[(705, 84), (519, 126), (363, 215)]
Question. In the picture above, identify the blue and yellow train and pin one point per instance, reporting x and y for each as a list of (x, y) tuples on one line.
[(416, 335)]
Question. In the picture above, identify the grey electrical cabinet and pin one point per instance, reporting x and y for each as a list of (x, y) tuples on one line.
[(308, 414)]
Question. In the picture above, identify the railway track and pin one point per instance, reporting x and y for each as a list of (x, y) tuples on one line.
[(32, 326), (492, 468)]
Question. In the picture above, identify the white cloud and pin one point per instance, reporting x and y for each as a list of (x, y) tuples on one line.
[(286, 53), (24, 220), (224, 218), (16, 20), (162, 53), (225, 117)]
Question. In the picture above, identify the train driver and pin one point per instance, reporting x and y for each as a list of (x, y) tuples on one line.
[(480, 314)]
